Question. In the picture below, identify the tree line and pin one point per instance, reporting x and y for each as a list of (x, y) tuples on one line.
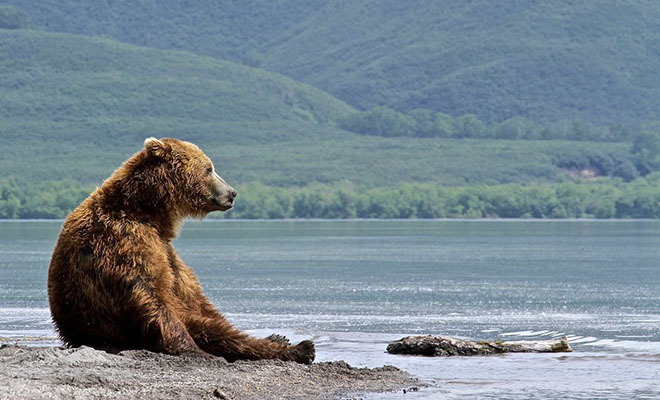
[(611, 198), (12, 17), (47, 200), (383, 121), (605, 198)]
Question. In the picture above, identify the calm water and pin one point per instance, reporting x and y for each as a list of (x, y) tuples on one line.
[(353, 286)]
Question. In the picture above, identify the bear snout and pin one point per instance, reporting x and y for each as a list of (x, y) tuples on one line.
[(222, 203), (229, 196)]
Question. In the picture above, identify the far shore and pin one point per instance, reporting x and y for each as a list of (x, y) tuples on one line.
[(210, 219)]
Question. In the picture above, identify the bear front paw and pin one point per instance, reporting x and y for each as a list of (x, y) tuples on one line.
[(304, 352)]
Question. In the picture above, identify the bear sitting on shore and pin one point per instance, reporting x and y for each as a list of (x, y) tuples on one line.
[(115, 280)]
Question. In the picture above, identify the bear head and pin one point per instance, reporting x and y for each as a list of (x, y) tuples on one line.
[(180, 172)]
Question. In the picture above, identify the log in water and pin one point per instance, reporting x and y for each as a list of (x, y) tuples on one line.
[(447, 346)]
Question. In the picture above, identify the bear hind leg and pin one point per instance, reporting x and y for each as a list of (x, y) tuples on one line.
[(217, 336)]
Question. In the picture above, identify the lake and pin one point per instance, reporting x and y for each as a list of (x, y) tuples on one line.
[(353, 286)]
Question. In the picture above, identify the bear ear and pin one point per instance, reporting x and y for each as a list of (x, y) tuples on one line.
[(155, 147)]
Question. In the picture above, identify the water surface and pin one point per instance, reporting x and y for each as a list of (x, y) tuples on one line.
[(353, 286)]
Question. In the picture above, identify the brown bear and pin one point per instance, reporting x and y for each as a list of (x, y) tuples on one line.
[(115, 280)]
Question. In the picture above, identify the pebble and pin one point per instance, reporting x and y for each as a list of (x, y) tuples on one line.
[(219, 394)]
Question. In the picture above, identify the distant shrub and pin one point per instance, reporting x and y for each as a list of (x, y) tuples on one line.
[(646, 147), (619, 165), (517, 128), (12, 18), (379, 121), (423, 123), (469, 126)]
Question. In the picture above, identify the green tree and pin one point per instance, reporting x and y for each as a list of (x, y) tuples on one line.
[(443, 125), (647, 149), (469, 126), (517, 128), (12, 18), (424, 123), (602, 202), (10, 199), (383, 204), (380, 121), (579, 130)]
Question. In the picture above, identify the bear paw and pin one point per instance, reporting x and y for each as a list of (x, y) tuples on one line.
[(304, 352)]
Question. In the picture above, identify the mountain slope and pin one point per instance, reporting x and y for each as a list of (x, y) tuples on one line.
[(594, 60), (75, 107), (62, 93)]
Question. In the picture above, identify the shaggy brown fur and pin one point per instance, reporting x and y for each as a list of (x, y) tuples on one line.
[(116, 282)]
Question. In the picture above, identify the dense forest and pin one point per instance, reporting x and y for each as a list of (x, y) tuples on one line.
[(603, 199), (83, 83)]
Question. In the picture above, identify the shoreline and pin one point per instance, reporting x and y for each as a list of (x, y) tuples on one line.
[(41, 372), (465, 219)]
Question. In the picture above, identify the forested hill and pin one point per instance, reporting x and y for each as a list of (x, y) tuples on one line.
[(598, 61), (75, 104), (74, 107)]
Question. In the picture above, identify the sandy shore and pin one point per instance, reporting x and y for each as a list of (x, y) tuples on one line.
[(28, 372)]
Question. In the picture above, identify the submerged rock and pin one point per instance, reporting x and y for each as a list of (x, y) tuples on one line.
[(447, 346)]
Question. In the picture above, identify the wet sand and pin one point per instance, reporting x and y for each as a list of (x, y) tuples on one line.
[(38, 372)]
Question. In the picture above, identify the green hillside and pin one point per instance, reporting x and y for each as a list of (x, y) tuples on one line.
[(72, 108), (75, 107), (72, 101), (598, 61)]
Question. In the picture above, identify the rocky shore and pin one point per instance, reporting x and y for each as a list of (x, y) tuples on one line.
[(61, 373)]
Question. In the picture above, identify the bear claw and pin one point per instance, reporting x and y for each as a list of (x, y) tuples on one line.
[(304, 352), (275, 338)]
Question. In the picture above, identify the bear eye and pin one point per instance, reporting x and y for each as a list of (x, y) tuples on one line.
[(209, 170)]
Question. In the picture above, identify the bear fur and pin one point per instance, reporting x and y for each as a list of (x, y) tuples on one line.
[(115, 280)]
